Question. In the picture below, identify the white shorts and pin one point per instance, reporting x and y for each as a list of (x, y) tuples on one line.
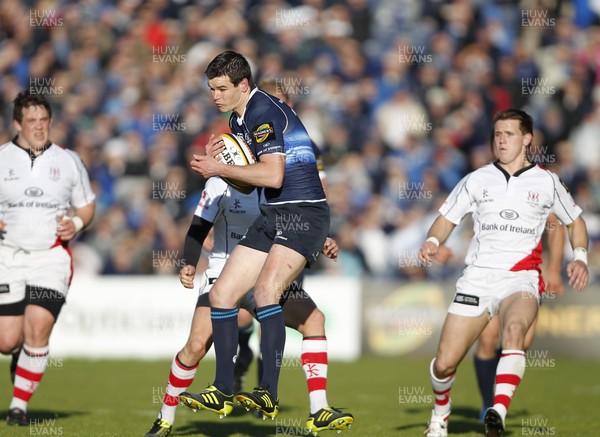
[(247, 302), (48, 269), (481, 289)]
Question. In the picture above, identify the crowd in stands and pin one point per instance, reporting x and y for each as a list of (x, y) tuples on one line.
[(398, 95)]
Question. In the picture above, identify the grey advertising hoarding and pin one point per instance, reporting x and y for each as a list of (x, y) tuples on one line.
[(406, 319)]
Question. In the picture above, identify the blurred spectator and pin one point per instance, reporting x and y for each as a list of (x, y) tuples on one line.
[(398, 95)]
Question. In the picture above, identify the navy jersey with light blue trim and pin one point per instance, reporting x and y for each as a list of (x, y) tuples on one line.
[(270, 126)]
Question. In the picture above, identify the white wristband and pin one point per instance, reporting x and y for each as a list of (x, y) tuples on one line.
[(580, 254), (77, 222), (434, 241)]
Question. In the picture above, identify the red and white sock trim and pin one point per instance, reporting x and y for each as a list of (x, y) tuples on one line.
[(441, 391), (511, 369), (314, 363), (180, 378), (31, 366)]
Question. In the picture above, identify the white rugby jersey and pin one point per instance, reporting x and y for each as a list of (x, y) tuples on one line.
[(509, 214), (231, 213), (34, 193)]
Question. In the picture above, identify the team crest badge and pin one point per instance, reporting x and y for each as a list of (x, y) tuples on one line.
[(533, 196), (54, 173)]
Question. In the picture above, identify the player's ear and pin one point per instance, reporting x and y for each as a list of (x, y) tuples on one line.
[(528, 140), (245, 85), (16, 125)]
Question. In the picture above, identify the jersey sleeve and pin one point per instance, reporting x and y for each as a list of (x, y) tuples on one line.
[(564, 206), (82, 193), (212, 195), (267, 125), (458, 203)]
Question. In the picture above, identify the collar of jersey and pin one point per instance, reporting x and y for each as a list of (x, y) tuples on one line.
[(517, 173), (46, 147)]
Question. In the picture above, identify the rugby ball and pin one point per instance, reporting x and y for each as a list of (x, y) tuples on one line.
[(236, 152)]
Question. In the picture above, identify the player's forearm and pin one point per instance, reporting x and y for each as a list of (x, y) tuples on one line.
[(86, 213), (441, 229), (578, 235), (556, 244), (262, 174), (194, 239)]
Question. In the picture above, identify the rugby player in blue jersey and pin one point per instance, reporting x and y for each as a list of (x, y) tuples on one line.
[(287, 236)]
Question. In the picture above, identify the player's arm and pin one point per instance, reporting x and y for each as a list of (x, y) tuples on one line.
[(577, 270), (267, 172), (192, 249), (438, 233), (82, 199), (556, 244), (68, 227)]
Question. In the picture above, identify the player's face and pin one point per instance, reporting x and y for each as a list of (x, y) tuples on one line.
[(226, 95), (509, 141), (34, 128)]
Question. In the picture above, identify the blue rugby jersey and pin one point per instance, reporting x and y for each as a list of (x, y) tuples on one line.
[(270, 126)]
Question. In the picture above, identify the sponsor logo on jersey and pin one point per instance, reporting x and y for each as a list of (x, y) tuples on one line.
[(34, 192), (236, 236), (509, 214), (4, 288), (264, 132), (466, 299)]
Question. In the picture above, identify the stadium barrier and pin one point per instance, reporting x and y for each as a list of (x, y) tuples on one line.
[(406, 319), (148, 317)]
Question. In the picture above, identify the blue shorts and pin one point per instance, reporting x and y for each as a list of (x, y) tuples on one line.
[(302, 227)]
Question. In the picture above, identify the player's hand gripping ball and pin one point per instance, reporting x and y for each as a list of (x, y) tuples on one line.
[(236, 152)]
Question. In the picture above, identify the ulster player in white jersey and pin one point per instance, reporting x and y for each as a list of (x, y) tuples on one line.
[(510, 201), (230, 213), (509, 214), (40, 183)]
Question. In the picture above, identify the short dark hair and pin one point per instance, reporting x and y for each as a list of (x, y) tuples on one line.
[(25, 100), (230, 64), (525, 120)]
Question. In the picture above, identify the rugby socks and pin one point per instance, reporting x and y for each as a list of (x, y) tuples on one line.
[(225, 340), (441, 391), (180, 378), (31, 366), (508, 376), (314, 363), (486, 375), (272, 342)]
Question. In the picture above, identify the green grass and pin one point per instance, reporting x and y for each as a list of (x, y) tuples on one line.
[(116, 399)]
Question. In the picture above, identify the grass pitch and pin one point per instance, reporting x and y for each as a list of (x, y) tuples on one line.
[(388, 397)]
